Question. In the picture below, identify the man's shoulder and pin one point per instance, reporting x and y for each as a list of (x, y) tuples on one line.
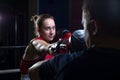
[(94, 62)]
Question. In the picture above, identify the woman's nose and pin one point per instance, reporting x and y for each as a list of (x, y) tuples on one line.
[(52, 31)]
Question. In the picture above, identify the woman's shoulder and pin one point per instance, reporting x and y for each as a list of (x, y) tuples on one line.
[(36, 39)]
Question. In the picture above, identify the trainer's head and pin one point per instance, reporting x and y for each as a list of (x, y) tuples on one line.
[(101, 22)]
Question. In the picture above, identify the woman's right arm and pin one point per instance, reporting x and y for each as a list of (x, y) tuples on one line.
[(44, 47)]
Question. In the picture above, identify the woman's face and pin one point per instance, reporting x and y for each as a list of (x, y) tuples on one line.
[(48, 29)]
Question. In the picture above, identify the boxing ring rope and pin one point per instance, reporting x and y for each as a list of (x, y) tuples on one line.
[(9, 71), (9, 47)]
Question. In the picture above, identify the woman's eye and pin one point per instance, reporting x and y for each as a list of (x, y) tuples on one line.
[(46, 28)]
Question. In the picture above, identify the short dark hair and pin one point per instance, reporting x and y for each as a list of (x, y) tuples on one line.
[(107, 12)]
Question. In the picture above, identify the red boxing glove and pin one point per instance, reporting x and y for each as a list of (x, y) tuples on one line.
[(64, 42)]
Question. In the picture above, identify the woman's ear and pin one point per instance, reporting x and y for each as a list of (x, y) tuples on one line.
[(93, 27)]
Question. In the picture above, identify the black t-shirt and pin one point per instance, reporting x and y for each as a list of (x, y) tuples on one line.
[(94, 64)]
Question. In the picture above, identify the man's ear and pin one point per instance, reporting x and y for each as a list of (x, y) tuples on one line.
[(93, 27)]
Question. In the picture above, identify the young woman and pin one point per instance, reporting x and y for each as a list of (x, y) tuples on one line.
[(39, 48)]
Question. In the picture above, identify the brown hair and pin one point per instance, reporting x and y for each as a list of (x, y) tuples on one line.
[(38, 21)]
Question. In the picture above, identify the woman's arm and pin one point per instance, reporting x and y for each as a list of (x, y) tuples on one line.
[(44, 47)]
